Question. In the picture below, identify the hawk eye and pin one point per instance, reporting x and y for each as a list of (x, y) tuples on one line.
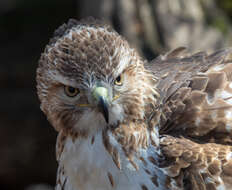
[(119, 80), (70, 91)]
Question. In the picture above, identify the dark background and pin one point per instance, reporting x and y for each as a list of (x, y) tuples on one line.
[(27, 141)]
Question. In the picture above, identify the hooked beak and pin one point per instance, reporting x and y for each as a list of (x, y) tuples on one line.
[(101, 95), (103, 106)]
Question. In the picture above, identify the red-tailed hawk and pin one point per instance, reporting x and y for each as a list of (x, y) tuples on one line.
[(124, 123)]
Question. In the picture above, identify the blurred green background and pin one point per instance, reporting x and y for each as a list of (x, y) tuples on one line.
[(27, 141)]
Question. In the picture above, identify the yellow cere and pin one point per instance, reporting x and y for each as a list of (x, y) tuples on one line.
[(100, 92)]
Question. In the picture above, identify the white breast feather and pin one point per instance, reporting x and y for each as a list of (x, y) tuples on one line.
[(87, 165)]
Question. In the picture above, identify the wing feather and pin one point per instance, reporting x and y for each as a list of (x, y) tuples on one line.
[(196, 95), (196, 166), (176, 68), (196, 120)]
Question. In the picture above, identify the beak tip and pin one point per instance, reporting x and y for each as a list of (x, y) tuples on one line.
[(107, 119)]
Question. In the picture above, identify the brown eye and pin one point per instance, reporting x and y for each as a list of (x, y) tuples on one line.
[(70, 91), (119, 80)]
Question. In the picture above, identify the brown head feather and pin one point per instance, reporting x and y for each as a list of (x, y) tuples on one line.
[(81, 53)]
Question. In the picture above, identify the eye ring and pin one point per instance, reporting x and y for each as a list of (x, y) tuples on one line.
[(70, 91), (119, 80)]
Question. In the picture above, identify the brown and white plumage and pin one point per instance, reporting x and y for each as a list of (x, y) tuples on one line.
[(133, 124)]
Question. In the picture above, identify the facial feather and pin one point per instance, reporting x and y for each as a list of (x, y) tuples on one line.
[(85, 55)]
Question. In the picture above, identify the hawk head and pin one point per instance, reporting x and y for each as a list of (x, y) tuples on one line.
[(89, 74)]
